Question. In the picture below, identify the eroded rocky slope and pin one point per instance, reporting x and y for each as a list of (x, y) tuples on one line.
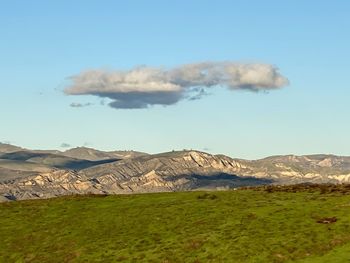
[(28, 175)]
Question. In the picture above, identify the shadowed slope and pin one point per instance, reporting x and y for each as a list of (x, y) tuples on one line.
[(51, 160)]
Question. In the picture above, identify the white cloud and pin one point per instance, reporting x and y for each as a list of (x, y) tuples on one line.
[(144, 86)]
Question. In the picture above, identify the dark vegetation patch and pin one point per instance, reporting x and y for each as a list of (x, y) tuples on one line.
[(207, 196), (304, 187), (327, 220)]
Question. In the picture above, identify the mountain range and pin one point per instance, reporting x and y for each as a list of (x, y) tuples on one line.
[(33, 174)]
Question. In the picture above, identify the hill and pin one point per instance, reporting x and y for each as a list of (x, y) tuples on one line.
[(26, 160), (6, 148), (91, 154), (256, 225)]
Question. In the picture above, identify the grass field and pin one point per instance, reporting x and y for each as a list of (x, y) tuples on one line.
[(228, 226)]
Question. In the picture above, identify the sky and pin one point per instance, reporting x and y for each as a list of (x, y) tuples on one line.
[(52, 51)]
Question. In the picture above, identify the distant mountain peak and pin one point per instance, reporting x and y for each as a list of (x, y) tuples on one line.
[(7, 148)]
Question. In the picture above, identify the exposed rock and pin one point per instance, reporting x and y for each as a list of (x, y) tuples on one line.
[(172, 171)]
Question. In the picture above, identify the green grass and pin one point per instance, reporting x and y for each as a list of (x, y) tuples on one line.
[(231, 226)]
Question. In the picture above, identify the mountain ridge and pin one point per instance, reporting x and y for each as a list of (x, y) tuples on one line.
[(27, 174)]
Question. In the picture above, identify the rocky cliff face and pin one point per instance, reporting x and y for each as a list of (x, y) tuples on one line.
[(173, 171), (299, 169)]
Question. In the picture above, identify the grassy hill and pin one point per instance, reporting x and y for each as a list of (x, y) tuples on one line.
[(269, 224)]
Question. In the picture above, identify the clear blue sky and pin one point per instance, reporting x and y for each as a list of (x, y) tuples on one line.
[(44, 42)]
